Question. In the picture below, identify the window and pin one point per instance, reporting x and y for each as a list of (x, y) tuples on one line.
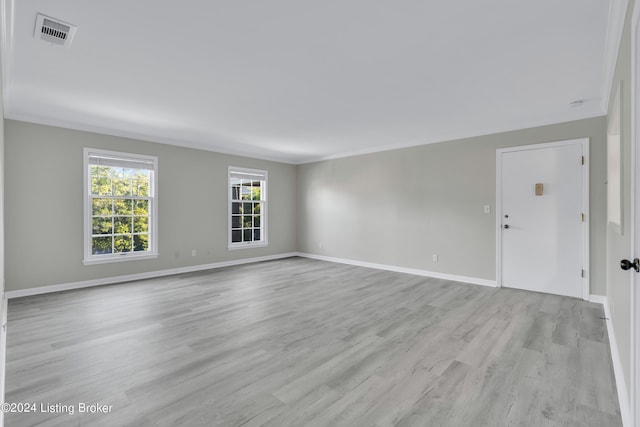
[(247, 208), (120, 209)]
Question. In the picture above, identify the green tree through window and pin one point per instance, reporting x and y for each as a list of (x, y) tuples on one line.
[(120, 203)]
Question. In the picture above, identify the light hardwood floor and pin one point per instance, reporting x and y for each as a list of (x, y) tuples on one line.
[(298, 342)]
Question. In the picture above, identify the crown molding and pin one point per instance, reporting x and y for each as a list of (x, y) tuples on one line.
[(615, 26), (457, 135), (83, 127), (6, 47), (448, 137)]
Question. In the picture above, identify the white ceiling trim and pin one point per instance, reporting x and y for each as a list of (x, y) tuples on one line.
[(615, 26), (513, 126), (6, 46), (137, 136)]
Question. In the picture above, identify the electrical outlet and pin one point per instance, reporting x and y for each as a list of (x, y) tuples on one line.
[(434, 257), (193, 252), (319, 245), (487, 209)]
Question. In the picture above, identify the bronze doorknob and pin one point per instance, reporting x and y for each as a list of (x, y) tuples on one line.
[(625, 264)]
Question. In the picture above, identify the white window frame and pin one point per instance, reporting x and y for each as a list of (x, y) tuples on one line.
[(264, 221), (89, 258)]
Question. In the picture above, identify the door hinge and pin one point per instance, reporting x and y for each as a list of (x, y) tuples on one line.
[(582, 159), (582, 273), (582, 217)]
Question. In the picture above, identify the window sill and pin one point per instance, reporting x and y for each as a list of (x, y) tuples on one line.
[(118, 258), (247, 246)]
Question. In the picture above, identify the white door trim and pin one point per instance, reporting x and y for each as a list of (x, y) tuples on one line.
[(634, 395), (584, 142)]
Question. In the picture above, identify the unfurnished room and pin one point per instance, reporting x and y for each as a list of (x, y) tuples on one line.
[(354, 213)]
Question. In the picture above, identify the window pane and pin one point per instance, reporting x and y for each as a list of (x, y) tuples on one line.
[(255, 192), (246, 192), (256, 234), (100, 186), (141, 224), (122, 244), (236, 222), (101, 245), (97, 171), (256, 221), (132, 172), (235, 208), (256, 208), (140, 187), (101, 206), (236, 236), (102, 225), (122, 206), (235, 192), (247, 207), (121, 187), (247, 221), (141, 207), (122, 224), (246, 235), (141, 242)]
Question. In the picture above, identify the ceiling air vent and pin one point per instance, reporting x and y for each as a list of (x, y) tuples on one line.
[(53, 30)]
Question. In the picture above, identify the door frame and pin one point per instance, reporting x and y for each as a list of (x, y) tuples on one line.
[(584, 143), (634, 224)]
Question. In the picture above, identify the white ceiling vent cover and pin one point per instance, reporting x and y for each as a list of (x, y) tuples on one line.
[(53, 30)]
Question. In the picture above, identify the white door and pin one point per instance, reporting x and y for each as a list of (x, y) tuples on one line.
[(542, 218), (635, 285), (635, 213)]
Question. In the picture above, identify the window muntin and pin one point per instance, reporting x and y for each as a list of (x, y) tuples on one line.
[(120, 211), (247, 207)]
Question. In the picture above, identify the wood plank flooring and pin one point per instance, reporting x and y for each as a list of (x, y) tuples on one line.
[(299, 342)]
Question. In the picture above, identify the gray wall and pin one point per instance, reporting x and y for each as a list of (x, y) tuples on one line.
[(399, 207), (396, 207), (44, 206), (619, 246)]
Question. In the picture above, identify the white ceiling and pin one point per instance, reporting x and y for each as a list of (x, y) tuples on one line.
[(300, 81)]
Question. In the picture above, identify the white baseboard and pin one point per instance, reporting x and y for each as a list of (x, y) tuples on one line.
[(621, 385), (414, 271), (623, 395), (138, 276)]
